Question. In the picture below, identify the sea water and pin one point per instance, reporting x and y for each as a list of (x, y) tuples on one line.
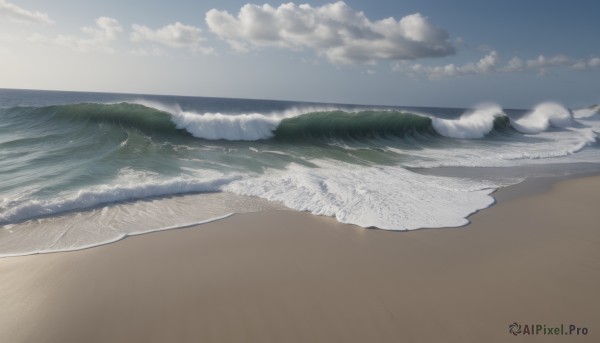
[(83, 169)]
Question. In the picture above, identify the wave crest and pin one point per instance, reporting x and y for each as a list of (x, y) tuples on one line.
[(306, 122), (586, 112), (474, 124), (214, 126), (543, 117), (334, 123)]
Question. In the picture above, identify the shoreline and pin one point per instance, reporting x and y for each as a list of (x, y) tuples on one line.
[(532, 185), (292, 276)]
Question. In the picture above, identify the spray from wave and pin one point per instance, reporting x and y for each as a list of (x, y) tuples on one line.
[(474, 124), (543, 117), (586, 112)]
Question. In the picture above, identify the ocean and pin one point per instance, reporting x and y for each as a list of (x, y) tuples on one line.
[(80, 169)]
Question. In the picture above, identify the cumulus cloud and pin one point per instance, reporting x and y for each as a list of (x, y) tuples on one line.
[(18, 14), (335, 31), (95, 38), (490, 63), (175, 35)]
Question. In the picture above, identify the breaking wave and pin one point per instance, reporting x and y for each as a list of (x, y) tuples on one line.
[(301, 123), (344, 161), (543, 117), (103, 194)]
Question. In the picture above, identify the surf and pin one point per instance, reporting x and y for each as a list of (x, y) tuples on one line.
[(301, 123), (163, 161)]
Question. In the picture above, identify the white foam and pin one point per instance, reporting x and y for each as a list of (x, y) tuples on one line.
[(559, 146), (568, 145), (543, 117), (387, 197), (233, 126), (246, 127), (473, 124), (390, 198), (103, 194), (102, 225), (586, 112)]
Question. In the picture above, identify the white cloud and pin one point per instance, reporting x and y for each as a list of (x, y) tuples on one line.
[(514, 65), (485, 65), (18, 14), (490, 64), (542, 63), (336, 31), (98, 38), (106, 30), (594, 62), (175, 35)]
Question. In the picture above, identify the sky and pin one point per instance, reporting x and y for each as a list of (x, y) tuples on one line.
[(411, 53)]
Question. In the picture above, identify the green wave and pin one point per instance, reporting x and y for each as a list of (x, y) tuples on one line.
[(360, 125), (122, 114), (363, 125), (324, 125)]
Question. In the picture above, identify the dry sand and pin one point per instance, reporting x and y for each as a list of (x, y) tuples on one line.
[(283, 276)]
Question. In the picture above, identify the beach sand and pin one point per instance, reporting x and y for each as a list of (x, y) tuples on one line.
[(284, 276)]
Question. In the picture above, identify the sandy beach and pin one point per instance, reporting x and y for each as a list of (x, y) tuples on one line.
[(284, 276), (314, 172)]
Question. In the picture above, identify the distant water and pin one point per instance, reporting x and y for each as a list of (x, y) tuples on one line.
[(83, 169)]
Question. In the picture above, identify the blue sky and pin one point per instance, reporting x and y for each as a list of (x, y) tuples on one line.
[(430, 53)]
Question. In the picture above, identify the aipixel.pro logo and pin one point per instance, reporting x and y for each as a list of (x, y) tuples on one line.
[(516, 329)]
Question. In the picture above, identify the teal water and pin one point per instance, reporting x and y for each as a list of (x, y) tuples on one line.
[(64, 154)]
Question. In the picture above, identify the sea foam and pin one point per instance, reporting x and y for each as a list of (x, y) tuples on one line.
[(586, 112), (348, 163), (390, 198), (97, 195), (113, 222), (476, 123)]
